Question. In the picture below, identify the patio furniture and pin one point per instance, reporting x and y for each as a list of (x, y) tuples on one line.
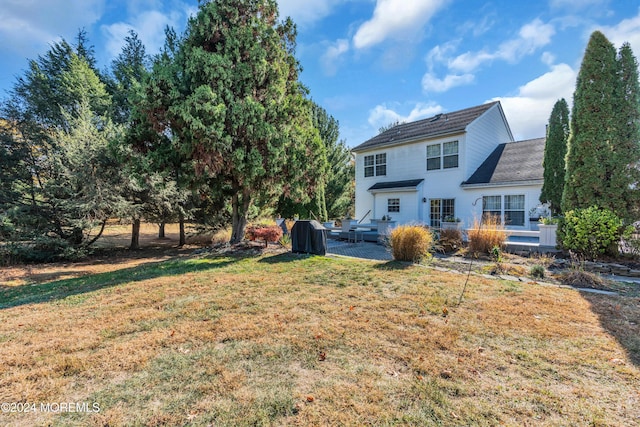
[(355, 235)]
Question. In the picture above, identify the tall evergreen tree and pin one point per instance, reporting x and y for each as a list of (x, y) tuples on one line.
[(334, 195), (555, 151), (590, 163), (84, 49), (148, 189), (237, 107), (340, 171), (152, 136), (129, 71), (603, 151), (57, 121), (14, 173), (627, 151)]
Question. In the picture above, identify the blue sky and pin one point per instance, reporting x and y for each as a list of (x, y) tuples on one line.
[(372, 62)]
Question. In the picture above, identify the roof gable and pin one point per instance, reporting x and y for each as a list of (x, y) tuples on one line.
[(511, 163), (440, 124)]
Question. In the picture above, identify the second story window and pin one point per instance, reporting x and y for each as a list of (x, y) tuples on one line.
[(442, 156), (375, 165), (450, 155), (433, 157)]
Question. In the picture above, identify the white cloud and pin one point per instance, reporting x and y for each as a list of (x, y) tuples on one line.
[(528, 112), (431, 83), (531, 37), (470, 61), (381, 115), (26, 27), (548, 58), (628, 30), (149, 25), (396, 19), (441, 53), (332, 56)]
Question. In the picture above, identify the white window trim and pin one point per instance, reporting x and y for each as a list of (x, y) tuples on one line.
[(374, 165), (389, 205), (503, 208), (442, 155), (442, 216)]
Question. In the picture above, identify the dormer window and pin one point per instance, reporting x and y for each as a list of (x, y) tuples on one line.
[(375, 165), (442, 156)]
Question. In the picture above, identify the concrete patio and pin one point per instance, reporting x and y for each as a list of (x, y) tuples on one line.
[(365, 250)]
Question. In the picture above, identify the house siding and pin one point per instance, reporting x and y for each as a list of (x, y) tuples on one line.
[(531, 194), (409, 211), (408, 161), (484, 135), (405, 162)]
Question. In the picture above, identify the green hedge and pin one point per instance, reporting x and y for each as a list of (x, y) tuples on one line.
[(592, 232)]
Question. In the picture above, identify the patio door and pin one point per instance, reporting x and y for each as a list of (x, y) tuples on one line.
[(439, 209)]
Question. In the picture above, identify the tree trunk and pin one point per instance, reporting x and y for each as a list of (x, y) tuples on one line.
[(161, 230), (104, 224), (135, 234), (240, 203), (183, 237)]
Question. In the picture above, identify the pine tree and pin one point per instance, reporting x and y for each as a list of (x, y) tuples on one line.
[(150, 135), (555, 151), (58, 131), (340, 171), (603, 152), (236, 106), (627, 151), (148, 188), (129, 71), (85, 50), (590, 165)]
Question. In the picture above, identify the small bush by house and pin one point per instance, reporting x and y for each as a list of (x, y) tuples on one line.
[(592, 232), (264, 233), (450, 240), (411, 243), (537, 271), (487, 234)]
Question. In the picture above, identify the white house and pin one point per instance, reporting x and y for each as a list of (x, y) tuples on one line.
[(457, 164)]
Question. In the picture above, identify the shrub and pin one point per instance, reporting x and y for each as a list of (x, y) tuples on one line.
[(450, 240), (41, 249), (486, 235), (537, 271), (496, 253), (285, 241), (550, 220), (410, 243), (267, 234), (582, 279), (592, 232)]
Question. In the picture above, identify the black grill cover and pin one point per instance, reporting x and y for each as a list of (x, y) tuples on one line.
[(309, 237)]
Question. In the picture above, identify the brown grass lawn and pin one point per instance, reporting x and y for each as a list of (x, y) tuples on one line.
[(282, 339)]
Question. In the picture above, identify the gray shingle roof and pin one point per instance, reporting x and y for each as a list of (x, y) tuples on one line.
[(440, 124), (411, 183), (511, 162)]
